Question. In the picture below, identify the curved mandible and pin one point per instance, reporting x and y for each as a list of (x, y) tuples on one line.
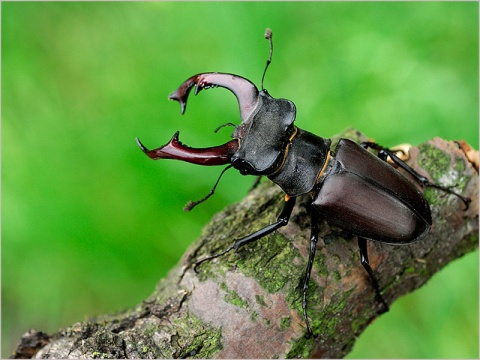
[(174, 149), (245, 91)]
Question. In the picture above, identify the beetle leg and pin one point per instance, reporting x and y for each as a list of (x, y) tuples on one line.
[(281, 221), (362, 244), (311, 257), (424, 181), (256, 182), (223, 125), (384, 153)]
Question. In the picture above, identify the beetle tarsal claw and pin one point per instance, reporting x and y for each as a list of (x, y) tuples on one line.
[(211, 257)]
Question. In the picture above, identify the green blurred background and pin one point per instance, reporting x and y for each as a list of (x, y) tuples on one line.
[(90, 224)]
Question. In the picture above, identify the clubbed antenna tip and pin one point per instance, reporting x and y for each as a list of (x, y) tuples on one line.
[(268, 33), (268, 36)]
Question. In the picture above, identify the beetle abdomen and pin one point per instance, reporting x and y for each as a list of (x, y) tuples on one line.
[(369, 198)]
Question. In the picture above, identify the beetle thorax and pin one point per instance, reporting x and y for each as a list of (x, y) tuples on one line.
[(264, 136)]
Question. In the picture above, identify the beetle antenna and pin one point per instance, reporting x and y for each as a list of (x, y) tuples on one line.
[(223, 125), (191, 204), (268, 36)]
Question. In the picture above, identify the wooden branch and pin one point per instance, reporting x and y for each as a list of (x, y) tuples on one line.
[(248, 304)]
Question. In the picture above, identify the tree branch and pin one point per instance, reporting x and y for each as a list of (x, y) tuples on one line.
[(248, 304)]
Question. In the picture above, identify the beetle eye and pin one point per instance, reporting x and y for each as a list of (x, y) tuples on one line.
[(243, 166)]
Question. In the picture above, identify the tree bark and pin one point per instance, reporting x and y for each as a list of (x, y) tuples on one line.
[(247, 304)]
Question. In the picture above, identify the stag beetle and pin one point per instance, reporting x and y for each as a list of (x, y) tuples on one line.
[(342, 181)]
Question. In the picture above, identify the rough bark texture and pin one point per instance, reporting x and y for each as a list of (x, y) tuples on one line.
[(248, 304)]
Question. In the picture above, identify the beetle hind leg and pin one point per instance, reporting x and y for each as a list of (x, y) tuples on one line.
[(362, 244), (384, 153)]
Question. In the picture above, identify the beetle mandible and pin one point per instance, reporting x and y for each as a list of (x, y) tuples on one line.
[(341, 181)]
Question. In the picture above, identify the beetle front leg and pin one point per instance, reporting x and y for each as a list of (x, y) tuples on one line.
[(281, 221), (362, 244)]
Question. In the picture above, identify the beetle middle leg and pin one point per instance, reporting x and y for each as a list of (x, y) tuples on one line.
[(255, 183), (311, 257), (281, 221), (362, 244), (384, 153)]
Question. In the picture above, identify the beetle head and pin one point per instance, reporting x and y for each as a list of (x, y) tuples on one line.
[(264, 136), (260, 141), (266, 123)]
